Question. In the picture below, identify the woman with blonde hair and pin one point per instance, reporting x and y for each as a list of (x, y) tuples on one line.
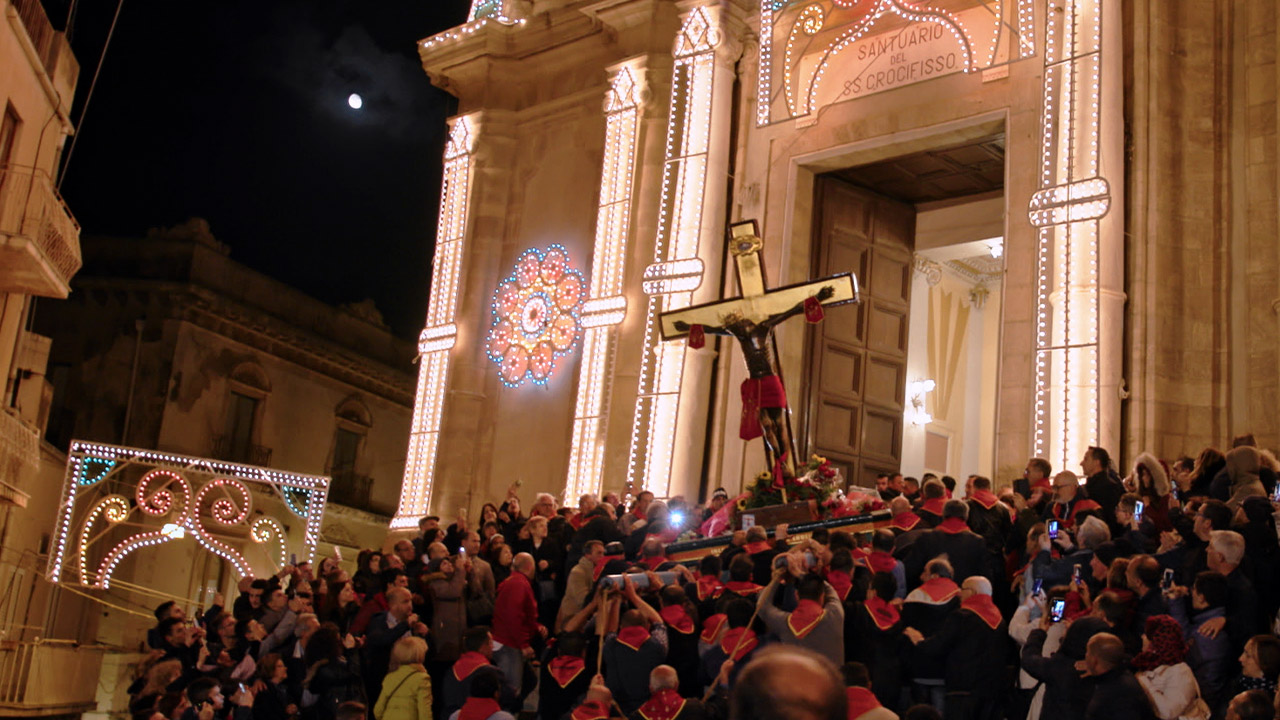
[(406, 690)]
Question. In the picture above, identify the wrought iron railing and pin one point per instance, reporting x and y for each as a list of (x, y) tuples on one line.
[(39, 29), (355, 491), (31, 206), (247, 453)]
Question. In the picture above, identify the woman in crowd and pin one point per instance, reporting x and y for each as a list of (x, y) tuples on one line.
[(342, 606), (1165, 677), (406, 690), (368, 567), (271, 701), (500, 558), (449, 610), (1209, 463), (160, 676), (1259, 667), (1151, 484), (331, 678)]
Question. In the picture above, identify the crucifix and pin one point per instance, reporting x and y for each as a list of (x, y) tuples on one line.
[(750, 319)]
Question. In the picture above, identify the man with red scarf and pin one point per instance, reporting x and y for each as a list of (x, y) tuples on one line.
[(482, 698), (477, 645), (817, 623), (639, 515), (863, 704), (988, 517), (969, 642), (965, 550), (665, 702), (635, 643), (873, 636), (1068, 501), (565, 677), (926, 609)]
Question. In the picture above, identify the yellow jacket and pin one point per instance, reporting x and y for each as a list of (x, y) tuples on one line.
[(406, 695)]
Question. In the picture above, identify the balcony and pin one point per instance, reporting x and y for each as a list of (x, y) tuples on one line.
[(51, 677), (355, 491), (19, 451), (39, 237), (244, 453)]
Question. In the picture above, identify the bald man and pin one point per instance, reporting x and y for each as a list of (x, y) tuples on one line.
[(1117, 694), (515, 621), (967, 644), (664, 701), (767, 687)]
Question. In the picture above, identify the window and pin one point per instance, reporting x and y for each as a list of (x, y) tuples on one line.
[(346, 445), (240, 418), (8, 135)]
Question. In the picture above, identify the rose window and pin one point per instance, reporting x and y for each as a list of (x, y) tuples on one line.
[(535, 316)]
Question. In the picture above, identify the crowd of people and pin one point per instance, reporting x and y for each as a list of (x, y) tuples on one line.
[(1059, 597)]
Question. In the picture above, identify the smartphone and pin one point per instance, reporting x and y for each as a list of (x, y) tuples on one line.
[(1275, 494), (1053, 529), (1035, 590), (1075, 575), (293, 559), (243, 690), (1166, 582), (1058, 609), (1137, 510), (462, 550)]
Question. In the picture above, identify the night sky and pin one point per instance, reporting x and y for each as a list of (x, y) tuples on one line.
[(236, 111)]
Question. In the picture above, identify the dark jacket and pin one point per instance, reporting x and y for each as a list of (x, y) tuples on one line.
[(973, 653), (1117, 695), (271, 702), (966, 550), (1153, 603), (1210, 659), (377, 653), (1066, 696), (1105, 489)]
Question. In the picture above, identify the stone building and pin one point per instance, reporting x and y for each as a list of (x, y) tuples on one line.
[(39, 255), (1062, 214)]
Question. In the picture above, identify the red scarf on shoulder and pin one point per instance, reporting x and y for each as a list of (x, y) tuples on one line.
[(758, 546), (861, 701), (730, 641), (565, 668), (711, 627), (634, 636), (984, 498), (881, 561), (805, 618), (884, 614), (985, 608), (743, 588), (933, 506), (662, 705), (905, 521), (478, 708), (677, 618), (468, 663), (940, 590), (709, 586), (953, 526), (842, 583)]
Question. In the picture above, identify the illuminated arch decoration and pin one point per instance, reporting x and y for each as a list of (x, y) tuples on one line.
[(535, 316), (869, 46), (117, 500)]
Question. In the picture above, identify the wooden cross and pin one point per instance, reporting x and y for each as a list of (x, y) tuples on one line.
[(750, 318)]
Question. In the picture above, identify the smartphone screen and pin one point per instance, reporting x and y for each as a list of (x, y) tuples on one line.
[(1137, 510), (1075, 574), (1166, 582), (1059, 608), (1053, 529), (1036, 589)]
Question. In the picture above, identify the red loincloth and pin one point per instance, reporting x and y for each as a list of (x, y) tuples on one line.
[(757, 393)]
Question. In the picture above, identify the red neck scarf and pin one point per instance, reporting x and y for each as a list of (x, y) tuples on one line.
[(805, 618), (984, 498), (841, 581), (709, 586), (653, 562), (478, 708), (758, 546), (711, 627), (940, 590), (905, 521), (468, 663), (953, 526), (861, 701), (599, 569), (883, 613), (743, 588), (639, 514), (564, 668), (662, 705), (576, 521), (1043, 484), (983, 607), (730, 641), (591, 710), (881, 561), (677, 618), (634, 636), (933, 506)]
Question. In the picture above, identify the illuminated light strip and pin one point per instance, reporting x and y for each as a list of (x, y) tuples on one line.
[(607, 305), (224, 510), (236, 559), (676, 276), (679, 232), (604, 311), (434, 339), (119, 552), (265, 529), (114, 509), (469, 29), (1067, 208), (764, 86), (446, 280), (809, 23)]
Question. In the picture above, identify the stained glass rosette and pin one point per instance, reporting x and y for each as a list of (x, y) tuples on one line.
[(535, 316)]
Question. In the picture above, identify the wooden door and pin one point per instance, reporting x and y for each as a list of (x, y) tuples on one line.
[(858, 354)]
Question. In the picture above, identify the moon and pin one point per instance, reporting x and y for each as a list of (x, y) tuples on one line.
[(355, 101)]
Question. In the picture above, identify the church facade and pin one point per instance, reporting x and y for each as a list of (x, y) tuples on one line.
[(1061, 215)]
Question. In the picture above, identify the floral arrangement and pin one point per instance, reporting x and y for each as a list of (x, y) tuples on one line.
[(820, 482)]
